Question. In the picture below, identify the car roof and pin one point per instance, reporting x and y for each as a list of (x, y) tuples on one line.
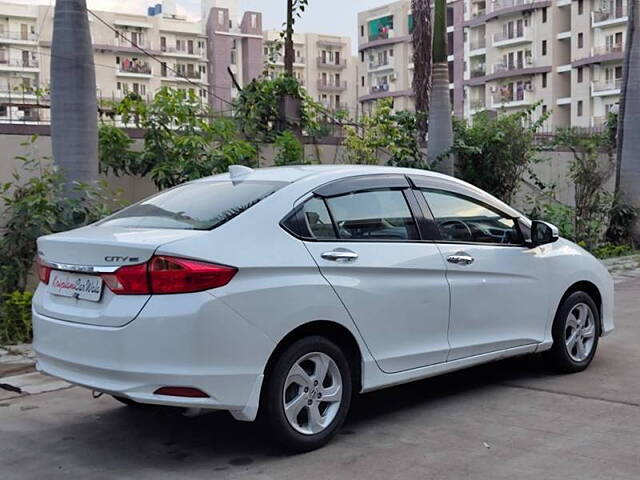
[(322, 173), (294, 173)]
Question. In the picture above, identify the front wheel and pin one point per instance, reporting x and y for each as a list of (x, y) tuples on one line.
[(308, 394), (576, 330)]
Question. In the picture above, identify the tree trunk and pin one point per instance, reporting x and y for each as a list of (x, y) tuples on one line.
[(629, 160), (74, 110), (422, 60), (440, 128), (288, 41)]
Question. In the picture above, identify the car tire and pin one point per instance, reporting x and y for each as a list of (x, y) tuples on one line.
[(299, 418), (576, 331)]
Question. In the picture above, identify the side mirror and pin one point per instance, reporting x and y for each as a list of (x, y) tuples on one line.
[(543, 233)]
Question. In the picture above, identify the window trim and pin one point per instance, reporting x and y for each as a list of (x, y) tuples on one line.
[(516, 220)]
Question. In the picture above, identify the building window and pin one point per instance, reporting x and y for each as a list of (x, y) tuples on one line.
[(580, 74), (220, 17), (544, 15), (362, 30), (362, 56), (363, 81), (580, 7), (544, 47), (579, 108), (580, 40), (544, 109), (544, 80)]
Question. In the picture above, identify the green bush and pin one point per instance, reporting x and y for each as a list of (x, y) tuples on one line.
[(15, 318), (609, 250), (289, 150)]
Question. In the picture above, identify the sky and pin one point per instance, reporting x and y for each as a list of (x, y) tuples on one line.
[(337, 17)]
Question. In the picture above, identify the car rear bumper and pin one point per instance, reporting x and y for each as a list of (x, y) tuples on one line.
[(202, 344)]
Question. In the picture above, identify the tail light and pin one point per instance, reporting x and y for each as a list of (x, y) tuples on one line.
[(167, 275), (181, 392), (44, 272)]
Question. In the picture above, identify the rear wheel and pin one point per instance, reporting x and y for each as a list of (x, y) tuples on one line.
[(576, 330), (308, 394)]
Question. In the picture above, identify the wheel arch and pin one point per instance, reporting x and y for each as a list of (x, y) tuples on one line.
[(337, 333), (590, 289)]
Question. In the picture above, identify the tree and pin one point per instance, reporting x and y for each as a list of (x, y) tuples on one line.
[(385, 133), (440, 123), (628, 174), (494, 153), (74, 110), (183, 140), (589, 174), (421, 11)]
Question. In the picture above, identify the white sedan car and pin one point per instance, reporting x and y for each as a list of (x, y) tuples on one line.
[(284, 291)]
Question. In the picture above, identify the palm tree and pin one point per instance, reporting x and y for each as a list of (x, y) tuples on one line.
[(440, 127), (421, 11), (628, 177), (74, 110)]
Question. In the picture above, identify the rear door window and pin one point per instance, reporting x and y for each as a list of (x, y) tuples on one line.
[(194, 206), (373, 215)]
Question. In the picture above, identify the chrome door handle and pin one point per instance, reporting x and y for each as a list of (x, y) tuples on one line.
[(460, 259), (338, 255)]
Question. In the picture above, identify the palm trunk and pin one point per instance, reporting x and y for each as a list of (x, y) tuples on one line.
[(629, 160), (288, 42), (422, 60), (74, 109), (440, 127)]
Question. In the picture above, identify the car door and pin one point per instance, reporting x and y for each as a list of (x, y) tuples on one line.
[(499, 298), (363, 235)]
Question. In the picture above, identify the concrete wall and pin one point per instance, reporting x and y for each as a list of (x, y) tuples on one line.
[(553, 169)]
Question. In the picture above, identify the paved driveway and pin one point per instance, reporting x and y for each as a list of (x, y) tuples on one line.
[(509, 420)]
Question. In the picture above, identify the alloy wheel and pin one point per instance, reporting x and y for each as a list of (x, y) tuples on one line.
[(312, 393), (580, 332)]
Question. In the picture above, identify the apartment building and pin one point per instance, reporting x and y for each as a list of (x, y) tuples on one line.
[(566, 54), (386, 55), (189, 55), (506, 54), (323, 64), (19, 60)]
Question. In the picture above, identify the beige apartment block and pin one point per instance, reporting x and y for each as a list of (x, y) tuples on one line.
[(19, 60), (386, 69), (565, 54), (323, 64)]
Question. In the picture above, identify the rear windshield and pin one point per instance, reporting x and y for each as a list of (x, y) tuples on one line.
[(194, 206)]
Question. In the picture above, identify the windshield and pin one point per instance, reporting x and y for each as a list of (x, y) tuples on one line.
[(194, 206)]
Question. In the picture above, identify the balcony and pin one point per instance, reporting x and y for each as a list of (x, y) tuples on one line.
[(325, 63), (501, 4), (510, 98), (385, 87), (18, 37), (477, 44), (607, 49), (18, 64), (513, 67), (384, 34), (381, 64), (477, 104), (616, 16), (182, 76), (331, 86), (511, 38), (605, 88), (478, 71), (131, 68), (183, 52)]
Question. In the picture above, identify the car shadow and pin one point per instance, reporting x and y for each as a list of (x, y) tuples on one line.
[(163, 438)]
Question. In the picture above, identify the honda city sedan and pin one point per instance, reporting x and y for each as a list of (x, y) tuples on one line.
[(280, 293)]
